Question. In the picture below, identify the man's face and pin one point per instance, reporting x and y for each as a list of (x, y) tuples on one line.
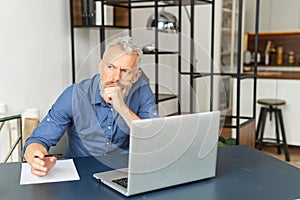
[(117, 69)]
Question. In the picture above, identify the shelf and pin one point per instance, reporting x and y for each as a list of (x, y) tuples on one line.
[(279, 66), (288, 40), (178, 113), (232, 121), (204, 74), (101, 26), (160, 52), (151, 3), (166, 97)]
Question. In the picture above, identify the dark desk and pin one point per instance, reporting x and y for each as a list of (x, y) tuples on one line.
[(242, 173)]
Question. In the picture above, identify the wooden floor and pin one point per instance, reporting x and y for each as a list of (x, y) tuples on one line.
[(294, 152)]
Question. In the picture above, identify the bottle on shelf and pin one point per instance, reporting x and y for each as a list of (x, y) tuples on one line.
[(258, 57), (247, 57), (291, 58), (279, 60)]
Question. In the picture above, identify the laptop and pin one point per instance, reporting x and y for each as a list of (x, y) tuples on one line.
[(167, 151)]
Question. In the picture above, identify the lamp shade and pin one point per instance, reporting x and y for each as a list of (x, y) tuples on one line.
[(166, 22)]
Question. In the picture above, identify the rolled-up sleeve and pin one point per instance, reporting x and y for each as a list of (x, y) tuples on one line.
[(56, 122)]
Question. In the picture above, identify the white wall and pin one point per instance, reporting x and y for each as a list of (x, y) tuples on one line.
[(34, 53), (275, 15)]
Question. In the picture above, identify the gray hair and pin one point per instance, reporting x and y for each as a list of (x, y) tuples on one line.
[(127, 45)]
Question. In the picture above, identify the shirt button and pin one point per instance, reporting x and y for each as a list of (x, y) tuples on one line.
[(108, 127), (105, 154), (48, 120), (111, 109), (107, 143)]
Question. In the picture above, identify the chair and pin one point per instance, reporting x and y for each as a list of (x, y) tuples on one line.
[(270, 106)]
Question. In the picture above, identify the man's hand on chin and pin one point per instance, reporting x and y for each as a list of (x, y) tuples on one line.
[(108, 94), (115, 96)]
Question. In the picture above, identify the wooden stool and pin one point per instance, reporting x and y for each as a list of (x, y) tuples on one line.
[(271, 107)]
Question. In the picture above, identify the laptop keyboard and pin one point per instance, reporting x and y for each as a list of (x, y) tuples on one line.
[(121, 181)]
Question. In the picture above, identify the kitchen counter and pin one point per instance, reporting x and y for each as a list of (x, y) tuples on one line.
[(284, 72), (279, 75)]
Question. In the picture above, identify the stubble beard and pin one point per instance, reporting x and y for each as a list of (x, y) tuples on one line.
[(125, 87)]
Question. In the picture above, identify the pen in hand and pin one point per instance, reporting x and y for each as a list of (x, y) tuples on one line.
[(52, 155)]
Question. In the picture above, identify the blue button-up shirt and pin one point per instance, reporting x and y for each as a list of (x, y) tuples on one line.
[(93, 126)]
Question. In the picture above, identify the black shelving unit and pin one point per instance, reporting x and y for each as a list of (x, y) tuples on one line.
[(241, 120), (192, 74), (155, 4)]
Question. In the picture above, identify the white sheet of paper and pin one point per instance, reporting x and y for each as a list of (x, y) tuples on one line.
[(63, 170)]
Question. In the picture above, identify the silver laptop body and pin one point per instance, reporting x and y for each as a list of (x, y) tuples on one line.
[(168, 151)]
